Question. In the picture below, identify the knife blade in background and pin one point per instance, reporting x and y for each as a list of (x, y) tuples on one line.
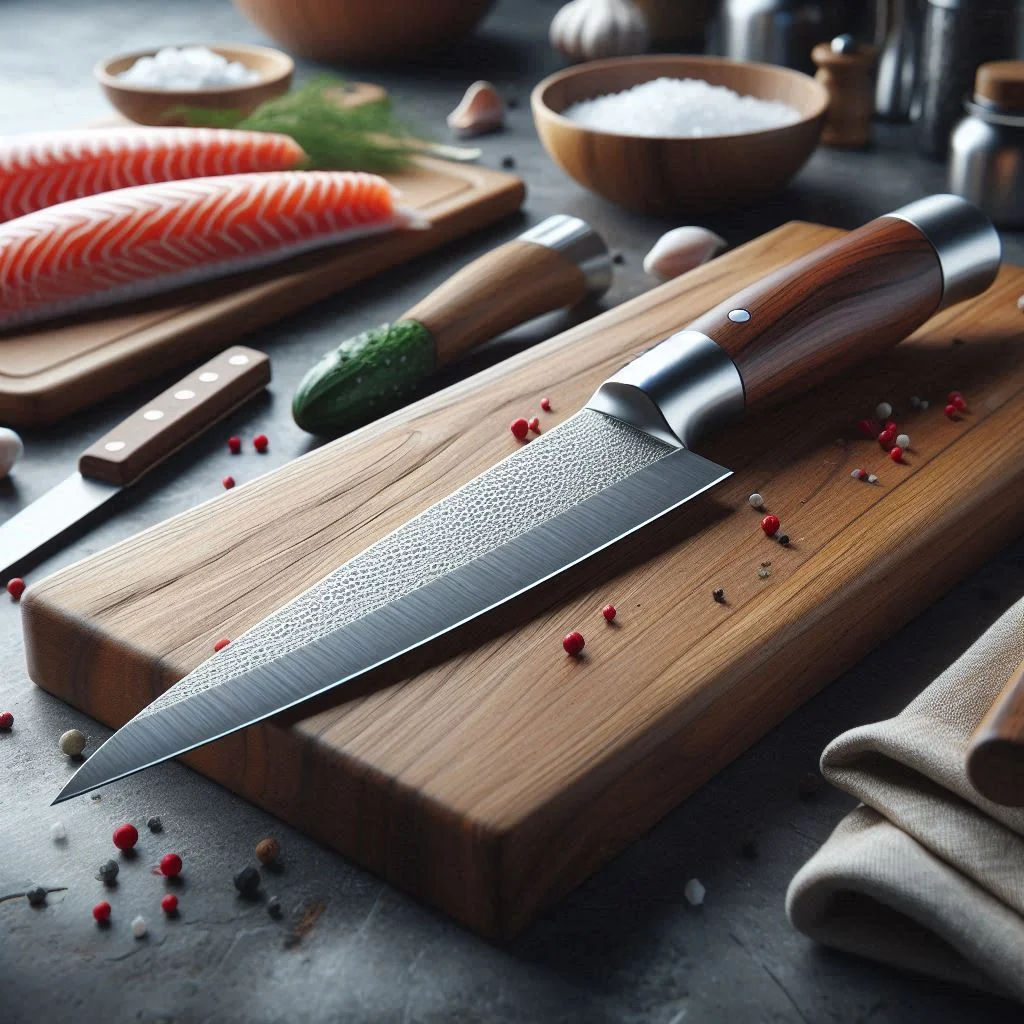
[(142, 441), (618, 464)]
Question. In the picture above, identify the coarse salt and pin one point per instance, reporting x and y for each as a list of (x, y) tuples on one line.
[(680, 108), (191, 67), (694, 892)]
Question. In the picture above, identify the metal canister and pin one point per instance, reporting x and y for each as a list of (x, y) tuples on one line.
[(959, 35), (780, 31), (986, 162)]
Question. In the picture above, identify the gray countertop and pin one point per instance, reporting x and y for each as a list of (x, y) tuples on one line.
[(625, 946)]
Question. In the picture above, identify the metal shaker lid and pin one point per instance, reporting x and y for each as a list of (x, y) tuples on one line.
[(1000, 84)]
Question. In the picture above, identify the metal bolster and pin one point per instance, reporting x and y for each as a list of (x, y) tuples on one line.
[(677, 391), (964, 240), (581, 243)]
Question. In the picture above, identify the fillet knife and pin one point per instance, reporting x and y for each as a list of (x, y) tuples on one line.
[(529, 518), (142, 441)]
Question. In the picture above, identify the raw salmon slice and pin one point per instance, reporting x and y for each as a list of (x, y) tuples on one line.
[(45, 168), (135, 242)]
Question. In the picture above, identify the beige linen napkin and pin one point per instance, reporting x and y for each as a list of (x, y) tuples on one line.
[(929, 875)]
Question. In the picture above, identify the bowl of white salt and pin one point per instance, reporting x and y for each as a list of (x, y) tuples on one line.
[(670, 134), (152, 86)]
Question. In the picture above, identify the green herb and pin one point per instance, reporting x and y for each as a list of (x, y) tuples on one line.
[(366, 137)]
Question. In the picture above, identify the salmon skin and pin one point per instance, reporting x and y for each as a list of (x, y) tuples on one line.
[(45, 168), (135, 242)]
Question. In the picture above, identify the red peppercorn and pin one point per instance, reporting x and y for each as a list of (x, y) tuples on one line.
[(519, 428), (125, 836), (573, 643), (16, 587), (862, 474), (953, 396), (887, 438), (221, 644), (950, 411), (896, 454), (101, 912), (170, 865), (260, 442), (234, 444), (228, 482), (6, 720), (535, 425), (169, 903), (869, 428), (545, 404), (770, 525), (891, 425), (608, 611), (959, 404)]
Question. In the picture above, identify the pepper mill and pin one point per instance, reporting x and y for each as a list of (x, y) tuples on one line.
[(845, 70)]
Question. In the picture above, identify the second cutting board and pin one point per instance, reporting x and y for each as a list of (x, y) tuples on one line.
[(51, 371)]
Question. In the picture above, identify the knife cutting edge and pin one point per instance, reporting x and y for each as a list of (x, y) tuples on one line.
[(527, 519), (134, 447)]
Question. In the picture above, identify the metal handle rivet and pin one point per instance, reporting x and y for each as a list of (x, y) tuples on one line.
[(208, 377), (238, 360), (184, 395), (114, 446), (153, 414), (739, 316)]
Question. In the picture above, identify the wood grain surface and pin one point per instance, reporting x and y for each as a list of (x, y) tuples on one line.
[(492, 773), (50, 371), (502, 289), (829, 311), (995, 758)]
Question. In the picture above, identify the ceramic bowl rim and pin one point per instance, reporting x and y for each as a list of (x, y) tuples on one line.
[(231, 51), (539, 102)]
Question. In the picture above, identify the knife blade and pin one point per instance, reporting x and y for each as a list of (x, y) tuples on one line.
[(134, 447), (529, 518)]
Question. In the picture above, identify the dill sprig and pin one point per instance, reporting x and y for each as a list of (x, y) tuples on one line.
[(366, 137)]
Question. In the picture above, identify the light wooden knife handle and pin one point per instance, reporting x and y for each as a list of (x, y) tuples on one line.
[(995, 758), (506, 287), (179, 415)]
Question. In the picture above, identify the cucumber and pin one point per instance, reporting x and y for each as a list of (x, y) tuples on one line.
[(364, 378)]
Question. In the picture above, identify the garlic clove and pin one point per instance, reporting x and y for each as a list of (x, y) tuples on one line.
[(481, 110), (682, 249), (11, 449), (589, 29)]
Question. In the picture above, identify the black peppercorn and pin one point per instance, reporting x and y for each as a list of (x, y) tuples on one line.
[(274, 908), (719, 595), (247, 881), (155, 825), (36, 896), (508, 162), (784, 539), (107, 873)]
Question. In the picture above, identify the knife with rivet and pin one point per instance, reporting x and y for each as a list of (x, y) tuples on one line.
[(619, 463), (142, 441)]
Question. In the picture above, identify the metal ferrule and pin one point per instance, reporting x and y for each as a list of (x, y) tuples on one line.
[(581, 243), (964, 239), (677, 391)]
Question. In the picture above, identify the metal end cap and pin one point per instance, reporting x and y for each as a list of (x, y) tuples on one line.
[(964, 239), (581, 243)]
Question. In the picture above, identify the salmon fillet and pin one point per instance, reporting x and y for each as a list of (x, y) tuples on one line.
[(135, 242), (45, 168)]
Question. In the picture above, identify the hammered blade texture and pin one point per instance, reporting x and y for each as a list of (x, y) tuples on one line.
[(549, 475)]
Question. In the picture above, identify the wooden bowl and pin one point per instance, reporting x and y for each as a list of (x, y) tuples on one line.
[(145, 105), (673, 175), (363, 31)]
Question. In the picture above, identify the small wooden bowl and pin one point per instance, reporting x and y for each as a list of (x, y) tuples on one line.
[(672, 175), (145, 105), (364, 31)]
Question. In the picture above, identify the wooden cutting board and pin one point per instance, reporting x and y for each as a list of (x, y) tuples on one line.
[(51, 371), (493, 773)]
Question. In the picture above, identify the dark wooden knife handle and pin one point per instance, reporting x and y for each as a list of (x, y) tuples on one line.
[(838, 306), (995, 757), (502, 289), (179, 415)]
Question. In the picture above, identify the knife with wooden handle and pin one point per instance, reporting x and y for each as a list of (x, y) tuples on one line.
[(129, 451), (618, 464), (995, 757)]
